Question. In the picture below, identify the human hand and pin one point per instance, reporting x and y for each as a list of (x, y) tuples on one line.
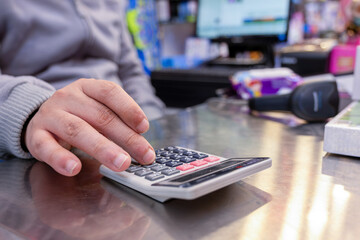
[(95, 116)]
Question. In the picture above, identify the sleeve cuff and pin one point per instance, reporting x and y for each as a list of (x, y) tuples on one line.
[(23, 101)]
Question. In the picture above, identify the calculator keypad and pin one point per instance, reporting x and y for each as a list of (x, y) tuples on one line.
[(169, 161)]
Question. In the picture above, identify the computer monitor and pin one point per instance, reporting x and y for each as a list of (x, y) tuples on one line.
[(243, 19)]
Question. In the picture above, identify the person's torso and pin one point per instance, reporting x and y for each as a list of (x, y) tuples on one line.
[(59, 41)]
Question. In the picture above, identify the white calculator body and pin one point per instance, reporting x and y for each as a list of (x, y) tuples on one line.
[(185, 173)]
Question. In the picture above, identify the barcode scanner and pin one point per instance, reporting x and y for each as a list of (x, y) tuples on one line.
[(312, 101)]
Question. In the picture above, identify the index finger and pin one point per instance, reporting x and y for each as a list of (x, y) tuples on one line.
[(115, 98)]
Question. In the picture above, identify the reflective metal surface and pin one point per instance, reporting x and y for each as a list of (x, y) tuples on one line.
[(306, 194)]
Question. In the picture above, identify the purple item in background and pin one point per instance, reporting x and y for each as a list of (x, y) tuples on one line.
[(262, 82)]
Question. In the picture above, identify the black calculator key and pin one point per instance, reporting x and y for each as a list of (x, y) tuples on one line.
[(179, 150), (143, 172), (162, 160), (170, 171), (175, 156), (165, 154), (154, 176), (159, 168), (189, 153), (133, 168), (186, 159), (151, 165), (170, 148), (174, 163)]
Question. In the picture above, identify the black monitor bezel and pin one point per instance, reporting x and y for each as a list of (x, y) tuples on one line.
[(239, 39)]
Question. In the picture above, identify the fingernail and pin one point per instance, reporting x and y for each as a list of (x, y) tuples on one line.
[(149, 156), (143, 126), (70, 166), (120, 160)]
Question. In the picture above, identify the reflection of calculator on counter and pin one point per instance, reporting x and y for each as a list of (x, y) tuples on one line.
[(185, 174)]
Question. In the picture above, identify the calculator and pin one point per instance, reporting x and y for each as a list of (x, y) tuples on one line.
[(184, 173)]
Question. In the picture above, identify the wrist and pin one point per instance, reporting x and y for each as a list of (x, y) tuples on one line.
[(23, 132)]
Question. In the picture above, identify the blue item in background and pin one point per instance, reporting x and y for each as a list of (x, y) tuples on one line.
[(181, 62), (143, 26), (187, 11)]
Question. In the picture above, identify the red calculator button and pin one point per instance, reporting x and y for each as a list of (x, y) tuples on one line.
[(198, 163), (211, 159), (185, 167)]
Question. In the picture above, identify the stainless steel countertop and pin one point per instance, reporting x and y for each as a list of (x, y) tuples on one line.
[(306, 194)]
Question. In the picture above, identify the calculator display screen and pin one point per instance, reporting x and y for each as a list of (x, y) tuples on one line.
[(199, 176)]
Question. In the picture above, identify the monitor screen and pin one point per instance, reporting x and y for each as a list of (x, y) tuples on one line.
[(243, 18)]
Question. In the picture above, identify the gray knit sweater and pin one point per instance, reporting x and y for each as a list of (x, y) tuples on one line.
[(47, 44)]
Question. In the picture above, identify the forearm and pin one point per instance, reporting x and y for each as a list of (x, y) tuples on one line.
[(19, 98)]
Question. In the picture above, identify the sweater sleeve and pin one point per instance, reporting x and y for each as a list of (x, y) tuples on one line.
[(19, 98)]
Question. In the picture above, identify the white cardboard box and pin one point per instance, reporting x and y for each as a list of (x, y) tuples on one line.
[(342, 133)]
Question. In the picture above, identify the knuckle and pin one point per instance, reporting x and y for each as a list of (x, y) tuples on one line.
[(99, 147), (108, 89), (132, 139), (105, 116), (37, 145), (44, 109), (72, 128), (85, 80), (61, 94)]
